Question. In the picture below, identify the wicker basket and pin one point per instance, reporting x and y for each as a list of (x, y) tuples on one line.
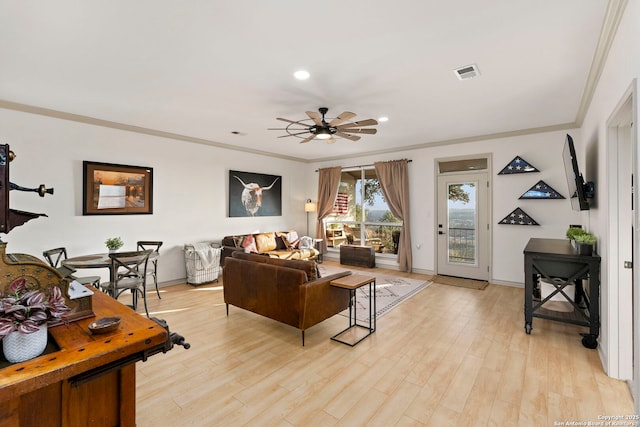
[(197, 272)]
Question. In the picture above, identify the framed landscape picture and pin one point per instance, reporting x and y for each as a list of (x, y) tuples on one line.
[(254, 194), (111, 189)]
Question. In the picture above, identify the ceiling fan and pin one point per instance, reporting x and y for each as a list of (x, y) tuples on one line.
[(317, 127)]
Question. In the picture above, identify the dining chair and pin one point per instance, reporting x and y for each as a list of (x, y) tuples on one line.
[(128, 272), (55, 256), (152, 269)]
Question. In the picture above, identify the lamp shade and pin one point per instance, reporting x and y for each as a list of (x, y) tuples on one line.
[(309, 206)]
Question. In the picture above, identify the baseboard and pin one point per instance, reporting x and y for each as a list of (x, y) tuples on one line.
[(506, 283)]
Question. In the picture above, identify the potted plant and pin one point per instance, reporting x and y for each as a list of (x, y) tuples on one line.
[(24, 313), (572, 232), (114, 243), (585, 243)]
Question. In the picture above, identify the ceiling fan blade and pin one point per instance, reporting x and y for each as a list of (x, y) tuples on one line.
[(315, 117), (342, 118), (367, 122), (347, 136), (288, 128), (359, 130), (293, 134), (307, 139), (291, 121)]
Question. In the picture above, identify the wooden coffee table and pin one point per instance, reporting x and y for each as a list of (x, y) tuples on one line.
[(352, 283)]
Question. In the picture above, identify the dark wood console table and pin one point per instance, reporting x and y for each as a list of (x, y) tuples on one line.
[(557, 259)]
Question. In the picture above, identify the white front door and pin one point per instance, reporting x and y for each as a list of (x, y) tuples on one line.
[(463, 225)]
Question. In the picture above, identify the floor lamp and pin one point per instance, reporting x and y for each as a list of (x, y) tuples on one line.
[(309, 206)]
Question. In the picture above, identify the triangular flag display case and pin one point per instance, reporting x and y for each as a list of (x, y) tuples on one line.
[(518, 217), (518, 165), (541, 191)]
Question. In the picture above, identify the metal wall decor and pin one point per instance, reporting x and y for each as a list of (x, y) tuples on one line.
[(541, 191), (518, 217), (518, 165)]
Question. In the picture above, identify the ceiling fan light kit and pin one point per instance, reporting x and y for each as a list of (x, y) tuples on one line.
[(339, 127)]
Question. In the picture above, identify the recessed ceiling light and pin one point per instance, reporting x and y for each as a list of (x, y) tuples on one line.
[(302, 75), (383, 119)]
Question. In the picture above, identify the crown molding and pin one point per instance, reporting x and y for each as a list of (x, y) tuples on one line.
[(476, 138), (610, 24), (10, 105)]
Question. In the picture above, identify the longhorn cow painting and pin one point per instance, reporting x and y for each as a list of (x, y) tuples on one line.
[(254, 194)]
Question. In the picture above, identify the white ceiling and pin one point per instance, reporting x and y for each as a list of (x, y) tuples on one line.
[(203, 69)]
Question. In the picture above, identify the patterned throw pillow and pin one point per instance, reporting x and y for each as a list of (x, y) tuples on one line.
[(249, 243), (292, 237)]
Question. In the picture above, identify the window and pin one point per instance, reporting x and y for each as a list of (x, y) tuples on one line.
[(361, 215)]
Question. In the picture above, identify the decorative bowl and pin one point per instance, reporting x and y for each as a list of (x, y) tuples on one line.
[(104, 325)]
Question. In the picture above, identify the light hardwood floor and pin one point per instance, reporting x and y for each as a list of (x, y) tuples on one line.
[(447, 356)]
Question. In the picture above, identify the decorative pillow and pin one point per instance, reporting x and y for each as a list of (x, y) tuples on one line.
[(305, 242), (292, 237), (249, 243), (265, 242), (282, 244)]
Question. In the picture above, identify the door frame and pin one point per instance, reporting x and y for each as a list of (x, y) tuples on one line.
[(489, 169), (623, 334)]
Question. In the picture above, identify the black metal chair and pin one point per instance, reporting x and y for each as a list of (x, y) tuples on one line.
[(55, 257), (152, 269), (129, 272)]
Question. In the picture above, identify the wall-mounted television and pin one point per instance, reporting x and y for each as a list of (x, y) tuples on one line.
[(579, 191)]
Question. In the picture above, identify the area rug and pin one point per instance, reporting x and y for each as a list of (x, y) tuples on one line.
[(460, 282), (390, 292)]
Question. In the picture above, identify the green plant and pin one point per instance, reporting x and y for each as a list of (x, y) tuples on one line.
[(572, 232), (585, 239), (114, 243), (24, 309)]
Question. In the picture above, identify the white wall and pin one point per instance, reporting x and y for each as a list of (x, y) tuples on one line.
[(543, 150), (623, 65), (190, 189)]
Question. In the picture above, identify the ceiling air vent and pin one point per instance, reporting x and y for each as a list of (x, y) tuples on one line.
[(467, 72)]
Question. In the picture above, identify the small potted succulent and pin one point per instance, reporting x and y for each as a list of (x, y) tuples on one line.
[(585, 243), (114, 243), (24, 313), (572, 232)]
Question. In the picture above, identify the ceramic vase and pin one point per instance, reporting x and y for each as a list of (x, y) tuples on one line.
[(19, 347)]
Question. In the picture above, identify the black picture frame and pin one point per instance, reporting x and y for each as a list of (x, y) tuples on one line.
[(254, 194), (113, 189)]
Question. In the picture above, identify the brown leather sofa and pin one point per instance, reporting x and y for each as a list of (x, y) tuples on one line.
[(289, 291)]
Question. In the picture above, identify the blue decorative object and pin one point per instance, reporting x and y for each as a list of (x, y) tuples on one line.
[(518, 217), (541, 191), (518, 165)]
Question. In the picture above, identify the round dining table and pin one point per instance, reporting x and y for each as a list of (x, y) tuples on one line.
[(101, 260)]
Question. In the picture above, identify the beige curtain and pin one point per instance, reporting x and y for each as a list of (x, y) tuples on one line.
[(394, 181), (328, 182)]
